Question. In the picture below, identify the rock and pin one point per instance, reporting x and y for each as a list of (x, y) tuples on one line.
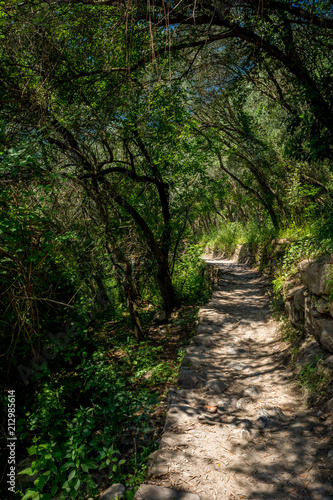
[(239, 366), (115, 491), (215, 386), (329, 405), (203, 340), (323, 330), (158, 463), (315, 313), (296, 317), (169, 440), (226, 404), (160, 316), (245, 424), (321, 305), (173, 396), (309, 351), (328, 361), (188, 378), (148, 374), (206, 329), (265, 420), (315, 274), (278, 413), (152, 492), (330, 455), (245, 434), (263, 423), (307, 316), (251, 391), (331, 309), (210, 316), (242, 403), (195, 360), (178, 414), (297, 291), (299, 296)]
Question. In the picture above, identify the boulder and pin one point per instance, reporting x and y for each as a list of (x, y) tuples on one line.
[(115, 491), (323, 330), (315, 274)]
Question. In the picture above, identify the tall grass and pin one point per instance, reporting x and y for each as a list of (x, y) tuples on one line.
[(226, 238), (229, 235)]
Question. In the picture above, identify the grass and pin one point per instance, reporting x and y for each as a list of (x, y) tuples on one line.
[(259, 235), (312, 379)]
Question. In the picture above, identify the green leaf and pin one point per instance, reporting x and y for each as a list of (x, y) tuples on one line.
[(71, 474), (77, 485), (85, 467), (40, 482), (31, 494), (28, 471), (67, 465), (54, 489)]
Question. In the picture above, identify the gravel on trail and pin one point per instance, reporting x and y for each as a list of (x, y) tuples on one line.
[(237, 426)]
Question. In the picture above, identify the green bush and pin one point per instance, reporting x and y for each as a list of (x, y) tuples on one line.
[(190, 282)]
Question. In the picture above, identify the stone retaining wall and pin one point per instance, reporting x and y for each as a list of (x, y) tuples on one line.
[(307, 301)]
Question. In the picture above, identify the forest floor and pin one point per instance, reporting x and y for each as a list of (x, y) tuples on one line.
[(237, 425)]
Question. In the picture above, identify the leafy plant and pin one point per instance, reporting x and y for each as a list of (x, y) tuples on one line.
[(312, 379)]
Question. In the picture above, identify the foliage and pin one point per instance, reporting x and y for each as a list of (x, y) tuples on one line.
[(311, 378), (104, 403), (190, 281), (127, 147)]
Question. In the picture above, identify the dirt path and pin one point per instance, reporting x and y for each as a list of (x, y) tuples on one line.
[(236, 425)]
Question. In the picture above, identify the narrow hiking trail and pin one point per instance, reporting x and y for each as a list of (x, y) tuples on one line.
[(237, 426)]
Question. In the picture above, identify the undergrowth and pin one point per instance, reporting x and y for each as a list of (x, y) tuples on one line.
[(109, 406), (312, 378), (310, 375)]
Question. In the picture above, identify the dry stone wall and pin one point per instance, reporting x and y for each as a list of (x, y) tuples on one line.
[(307, 300)]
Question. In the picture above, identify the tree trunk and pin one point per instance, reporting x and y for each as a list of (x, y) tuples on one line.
[(166, 287), (131, 298)]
